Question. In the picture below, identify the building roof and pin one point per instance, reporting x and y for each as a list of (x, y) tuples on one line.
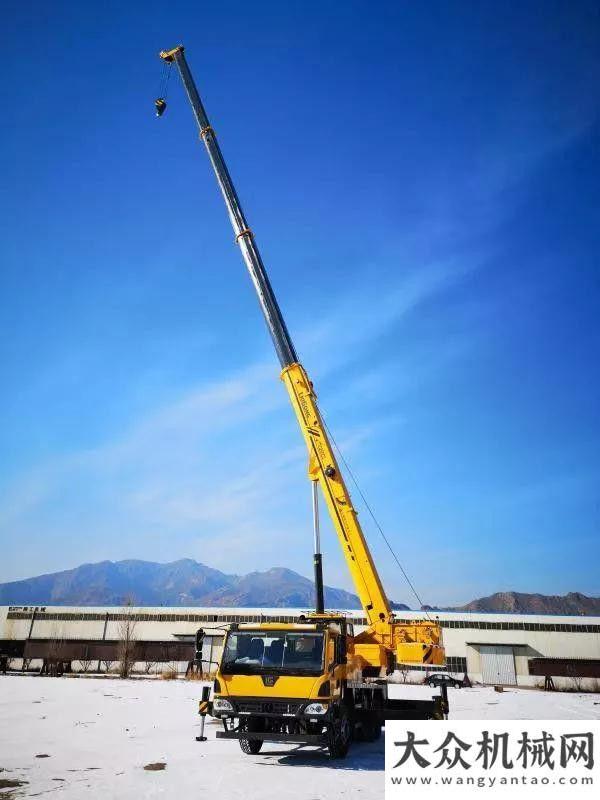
[(450, 616)]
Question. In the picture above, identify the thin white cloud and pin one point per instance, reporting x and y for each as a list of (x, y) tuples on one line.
[(373, 307), (221, 463)]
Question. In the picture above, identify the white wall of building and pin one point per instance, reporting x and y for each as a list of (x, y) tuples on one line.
[(465, 635)]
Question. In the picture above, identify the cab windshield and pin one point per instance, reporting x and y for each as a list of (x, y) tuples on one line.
[(251, 652)]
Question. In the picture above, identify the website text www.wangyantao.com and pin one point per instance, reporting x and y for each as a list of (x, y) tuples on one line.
[(489, 781)]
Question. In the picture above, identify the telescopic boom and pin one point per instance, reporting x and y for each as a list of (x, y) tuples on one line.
[(418, 642), (243, 235)]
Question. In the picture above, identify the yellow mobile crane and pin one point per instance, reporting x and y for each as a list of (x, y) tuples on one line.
[(313, 681)]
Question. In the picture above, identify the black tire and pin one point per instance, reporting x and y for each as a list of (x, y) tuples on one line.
[(252, 746), (339, 731)]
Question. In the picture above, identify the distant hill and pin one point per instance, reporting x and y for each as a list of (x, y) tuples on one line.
[(573, 603), (179, 583), (189, 583)]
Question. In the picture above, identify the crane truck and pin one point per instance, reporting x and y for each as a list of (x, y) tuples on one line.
[(314, 681)]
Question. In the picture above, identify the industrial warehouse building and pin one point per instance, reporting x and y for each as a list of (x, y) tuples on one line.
[(508, 649)]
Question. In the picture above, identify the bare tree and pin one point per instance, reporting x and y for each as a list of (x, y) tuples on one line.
[(54, 662), (576, 680), (577, 683), (171, 672), (148, 666), (85, 664), (126, 645)]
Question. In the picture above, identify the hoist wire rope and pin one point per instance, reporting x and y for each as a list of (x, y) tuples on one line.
[(374, 518), (164, 80)]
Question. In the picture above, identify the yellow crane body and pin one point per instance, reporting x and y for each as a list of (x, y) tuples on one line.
[(313, 681)]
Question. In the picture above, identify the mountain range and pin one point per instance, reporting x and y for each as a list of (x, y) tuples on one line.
[(573, 603), (179, 583), (188, 583)]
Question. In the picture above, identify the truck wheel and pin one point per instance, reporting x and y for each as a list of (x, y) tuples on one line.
[(339, 732), (252, 746)]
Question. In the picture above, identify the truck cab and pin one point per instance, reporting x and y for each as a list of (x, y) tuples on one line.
[(302, 683), (287, 683)]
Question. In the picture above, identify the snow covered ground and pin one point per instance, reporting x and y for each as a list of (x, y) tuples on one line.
[(79, 738)]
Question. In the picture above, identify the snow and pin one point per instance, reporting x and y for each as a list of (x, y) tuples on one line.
[(98, 734)]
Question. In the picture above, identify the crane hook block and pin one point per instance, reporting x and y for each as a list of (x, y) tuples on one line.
[(161, 106)]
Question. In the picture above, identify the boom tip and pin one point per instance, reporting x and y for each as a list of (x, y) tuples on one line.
[(169, 55)]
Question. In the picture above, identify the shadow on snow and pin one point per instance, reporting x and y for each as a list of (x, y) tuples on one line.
[(362, 757)]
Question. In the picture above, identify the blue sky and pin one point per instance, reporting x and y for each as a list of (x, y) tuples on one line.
[(423, 181)]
